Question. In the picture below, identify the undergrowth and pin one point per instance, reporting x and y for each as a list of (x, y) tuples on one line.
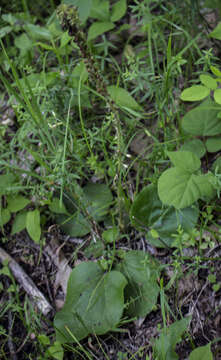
[(110, 134)]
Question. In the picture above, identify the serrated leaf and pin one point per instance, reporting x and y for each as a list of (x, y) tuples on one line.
[(33, 225), (19, 223), (203, 120), (94, 303), (99, 28), (185, 160), (202, 353), (208, 81), (217, 96), (118, 10), (195, 93), (213, 144), (181, 189), (216, 33), (196, 146), (4, 216), (164, 347), (141, 272), (122, 98), (17, 203)]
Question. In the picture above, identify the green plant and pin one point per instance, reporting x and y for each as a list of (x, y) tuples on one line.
[(97, 297)]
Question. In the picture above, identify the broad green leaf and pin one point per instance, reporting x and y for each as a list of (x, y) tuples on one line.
[(56, 351), (111, 235), (17, 203), (202, 353), (100, 10), (217, 96), (57, 207), (147, 211), (99, 28), (216, 33), (118, 10), (196, 146), (98, 199), (208, 81), (5, 182), (23, 43), (146, 208), (19, 223), (79, 71), (168, 223), (185, 160), (203, 120), (164, 347), (215, 71), (94, 303), (141, 292), (33, 225), (4, 216), (75, 225), (195, 93), (5, 30), (181, 189), (213, 144), (38, 32), (84, 7), (65, 39), (122, 98)]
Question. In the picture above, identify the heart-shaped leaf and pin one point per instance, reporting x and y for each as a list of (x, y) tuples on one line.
[(202, 353), (203, 120), (213, 144), (185, 160), (181, 188), (94, 303), (196, 146), (141, 272)]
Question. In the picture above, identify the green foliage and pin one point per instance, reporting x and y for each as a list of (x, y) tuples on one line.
[(148, 213), (183, 185), (96, 299), (164, 347), (202, 353), (94, 303)]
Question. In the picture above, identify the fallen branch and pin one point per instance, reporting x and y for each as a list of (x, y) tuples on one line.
[(25, 281)]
